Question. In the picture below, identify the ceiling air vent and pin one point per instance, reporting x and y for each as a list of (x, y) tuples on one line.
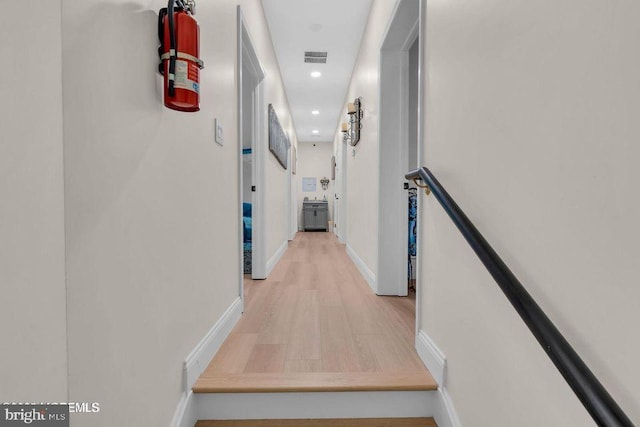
[(315, 57)]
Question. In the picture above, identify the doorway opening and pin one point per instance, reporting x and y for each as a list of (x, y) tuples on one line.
[(398, 151), (251, 135), (412, 163)]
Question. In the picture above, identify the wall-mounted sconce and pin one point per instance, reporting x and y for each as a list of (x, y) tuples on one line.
[(325, 183), (354, 109), (345, 132)]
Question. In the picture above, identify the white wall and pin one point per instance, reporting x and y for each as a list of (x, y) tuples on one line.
[(531, 124), (277, 209), (362, 184), (33, 344), (314, 160), (151, 202)]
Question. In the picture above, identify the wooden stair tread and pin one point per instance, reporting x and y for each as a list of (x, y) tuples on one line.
[(355, 422), (314, 382)]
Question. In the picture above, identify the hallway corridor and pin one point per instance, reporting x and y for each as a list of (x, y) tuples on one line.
[(315, 325)]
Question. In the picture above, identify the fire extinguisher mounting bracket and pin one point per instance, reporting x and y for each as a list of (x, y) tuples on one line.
[(190, 5), (182, 55)]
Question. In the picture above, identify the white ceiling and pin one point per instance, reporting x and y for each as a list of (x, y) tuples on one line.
[(334, 26)]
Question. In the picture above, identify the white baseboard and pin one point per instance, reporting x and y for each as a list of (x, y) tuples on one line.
[(185, 415), (436, 362), (373, 404), (276, 257), (445, 413), (199, 358), (432, 357), (363, 268)]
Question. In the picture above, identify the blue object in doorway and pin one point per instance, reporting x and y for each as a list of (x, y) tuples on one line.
[(413, 222)]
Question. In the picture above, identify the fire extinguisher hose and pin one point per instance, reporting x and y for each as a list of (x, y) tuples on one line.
[(172, 45)]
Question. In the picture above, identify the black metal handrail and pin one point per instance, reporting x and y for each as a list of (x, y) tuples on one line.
[(595, 398)]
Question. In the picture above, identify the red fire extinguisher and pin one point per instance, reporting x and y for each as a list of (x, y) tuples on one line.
[(179, 52)]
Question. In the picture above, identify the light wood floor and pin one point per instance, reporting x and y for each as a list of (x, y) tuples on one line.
[(315, 325), (359, 422)]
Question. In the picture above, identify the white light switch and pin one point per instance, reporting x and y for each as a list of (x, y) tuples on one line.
[(219, 132)]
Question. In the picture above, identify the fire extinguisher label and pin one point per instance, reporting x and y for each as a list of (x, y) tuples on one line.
[(187, 76)]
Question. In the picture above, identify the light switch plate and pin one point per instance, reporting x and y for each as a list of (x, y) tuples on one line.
[(219, 132)]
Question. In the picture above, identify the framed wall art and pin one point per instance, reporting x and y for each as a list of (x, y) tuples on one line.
[(294, 159), (278, 140)]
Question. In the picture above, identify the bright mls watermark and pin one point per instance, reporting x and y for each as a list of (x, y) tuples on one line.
[(36, 415), (43, 414)]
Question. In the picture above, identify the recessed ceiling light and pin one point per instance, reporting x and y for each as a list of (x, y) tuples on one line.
[(316, 74), (315, 112), (315, 131)]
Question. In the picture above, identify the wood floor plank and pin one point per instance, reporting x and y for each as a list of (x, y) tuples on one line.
[(266, 358), (259, 311), (277, 327), (362, 313), (339, 350), (366, 357), (317, 325), (355, 422), (329, 295), (388, 356), (316, 381), (234, 354), (307, 274), (280, 270), (301, 365), (399, 316), (304, 341)]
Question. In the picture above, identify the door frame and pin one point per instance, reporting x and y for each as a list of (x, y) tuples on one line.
[(336, 190), (393, 146), (246, 55), (341, 191), (292, 196), (422, 105)]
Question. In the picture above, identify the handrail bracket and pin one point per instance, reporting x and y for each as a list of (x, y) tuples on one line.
[(427, 190)]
